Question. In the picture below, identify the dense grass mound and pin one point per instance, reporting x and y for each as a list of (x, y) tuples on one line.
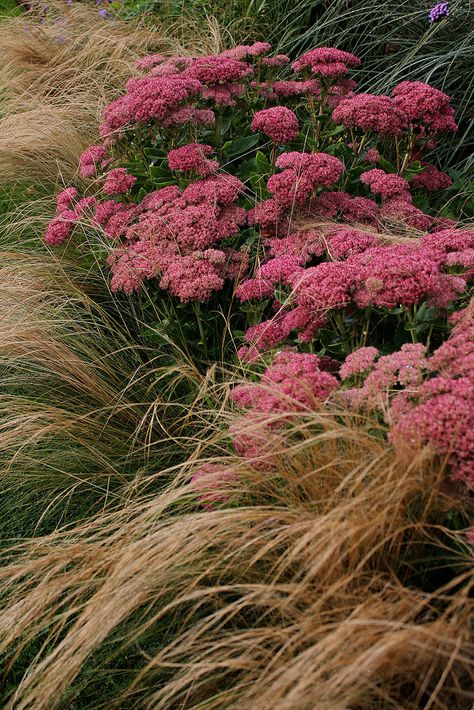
[(334, 579), (83, 414)]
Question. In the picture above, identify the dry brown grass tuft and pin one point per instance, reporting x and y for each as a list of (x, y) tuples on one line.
[(53, 90), (79, 403), (304, 596)]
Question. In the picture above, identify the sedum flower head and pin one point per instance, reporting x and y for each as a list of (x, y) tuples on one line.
[(370, 112), (193, 157), (326, 62), (118, 181), (427, 108), (279, 123)]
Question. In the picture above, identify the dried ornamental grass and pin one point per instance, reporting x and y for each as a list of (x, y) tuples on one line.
[(301, 596), (83, 411)]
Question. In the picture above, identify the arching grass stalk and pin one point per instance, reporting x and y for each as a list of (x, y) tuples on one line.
[(202, 332)]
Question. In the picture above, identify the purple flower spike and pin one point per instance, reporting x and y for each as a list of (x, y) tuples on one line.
[(104, 14), (441, 9)]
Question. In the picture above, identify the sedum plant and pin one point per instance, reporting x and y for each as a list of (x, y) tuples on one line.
[(254, 195)]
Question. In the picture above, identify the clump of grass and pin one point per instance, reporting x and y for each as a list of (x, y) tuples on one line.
[(52, 91), (83, 408), (309, 592)]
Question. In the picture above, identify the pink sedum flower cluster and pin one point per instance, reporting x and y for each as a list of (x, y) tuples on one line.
[(92, 160), (358, 362), (118, 181), (243, 51), (386, 185), (369, 112), (175, 237), (401, 274), (283, 270), (69, 210), (221, 77), (404, 367), (425, 106), (302, 174), (293, 382), (279, 60), (291, 88), (279, 123), (326, 62), (431, 179), (147, 63), (365, 273), (162, 98), (219, 69), (211, 483), (435, 405), (372, 155), (402, 212), (414, 104), (345, 242), (194, 158)]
